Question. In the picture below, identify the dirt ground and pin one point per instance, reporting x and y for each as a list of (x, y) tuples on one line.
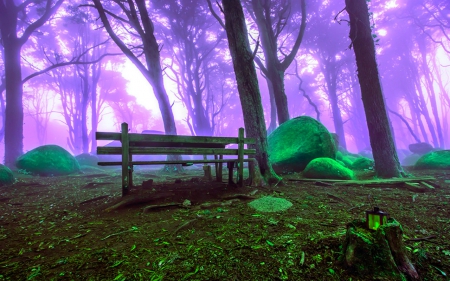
[(72, 228)]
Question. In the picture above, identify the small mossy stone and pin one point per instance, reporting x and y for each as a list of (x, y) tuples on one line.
[(86, 159), (347, 161), (6, 176), (327, 168), (362, 163), (411, 159), (439, 159), (339, 155), (270, 204), (48, 160)]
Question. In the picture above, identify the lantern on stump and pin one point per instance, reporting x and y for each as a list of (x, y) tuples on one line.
[(375, 218)]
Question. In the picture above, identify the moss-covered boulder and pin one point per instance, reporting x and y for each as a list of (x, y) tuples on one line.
[(327, 168), (439, 159), (362, 163), (6, 175), (270, 204), (347, 160), (48, 160), (86, 159), (298, 141)]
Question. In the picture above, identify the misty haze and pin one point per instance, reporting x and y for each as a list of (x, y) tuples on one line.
[(224, 140)]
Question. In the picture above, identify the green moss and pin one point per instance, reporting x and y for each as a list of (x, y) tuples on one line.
[(347, 161), (48, 160), (362, 163), (327, 168), (434, 160), (6, 175), (296, 142), (270, 204)]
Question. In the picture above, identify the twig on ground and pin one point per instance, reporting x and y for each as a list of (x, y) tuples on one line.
[(132, 229)]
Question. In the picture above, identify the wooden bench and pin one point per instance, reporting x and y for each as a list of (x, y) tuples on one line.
[(155, 144)]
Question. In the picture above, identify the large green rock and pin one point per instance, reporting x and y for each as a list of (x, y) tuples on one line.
[(298, 141), (48, 160), (439, 159), (6, 175), (327, 168)]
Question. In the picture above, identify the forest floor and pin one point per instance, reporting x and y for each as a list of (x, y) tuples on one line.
[(71, 227)]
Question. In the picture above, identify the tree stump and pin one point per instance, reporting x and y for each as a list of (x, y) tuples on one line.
[(380, 254)]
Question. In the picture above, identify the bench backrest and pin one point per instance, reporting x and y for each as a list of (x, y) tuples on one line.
[(145, 144)]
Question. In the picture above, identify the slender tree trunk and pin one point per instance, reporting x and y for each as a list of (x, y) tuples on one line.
[(387, 164), (83, 72), (273, 108), (431, 93), (248, 85), (2, 106), (96, 72), (274, 71), (330, 69), (14, 106), (274, 67)]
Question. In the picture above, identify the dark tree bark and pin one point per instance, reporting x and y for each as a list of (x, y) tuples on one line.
[(12, 43), (248, 85), (387, 164)]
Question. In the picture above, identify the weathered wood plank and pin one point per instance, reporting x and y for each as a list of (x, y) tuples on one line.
[(108, 136), (170, 150), (118, 163), (154, 138)]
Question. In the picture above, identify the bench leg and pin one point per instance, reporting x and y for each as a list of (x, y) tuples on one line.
[(207, 171), (230, 166), (218, 167)]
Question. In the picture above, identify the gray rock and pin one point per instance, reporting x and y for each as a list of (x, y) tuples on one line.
[(410, 160), (420, 148), (48, 160), (298, 141), (87, 159)]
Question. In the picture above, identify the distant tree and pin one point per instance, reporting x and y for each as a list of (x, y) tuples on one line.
[(387, 164), (137, 22), (272, 17), (247, 83), (18, 21), (332, 59), (192, 43), (39, 106)]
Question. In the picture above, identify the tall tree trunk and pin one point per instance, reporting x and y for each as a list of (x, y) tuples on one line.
[(14, 106), (273, 108), (387, 164), (248, 85)]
